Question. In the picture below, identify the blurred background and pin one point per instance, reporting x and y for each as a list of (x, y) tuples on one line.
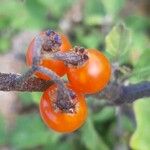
[(86, 23)]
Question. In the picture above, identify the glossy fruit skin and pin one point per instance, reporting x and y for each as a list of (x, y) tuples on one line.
[(93, 76), (62, 121), (57, 66)]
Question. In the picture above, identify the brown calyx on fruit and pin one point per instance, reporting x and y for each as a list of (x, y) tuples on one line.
[(64, 102), (78, 57), (51, 41)]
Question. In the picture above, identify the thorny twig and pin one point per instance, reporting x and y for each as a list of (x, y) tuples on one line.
[(117, 94)]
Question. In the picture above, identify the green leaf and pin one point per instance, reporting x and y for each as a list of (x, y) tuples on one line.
[(112, 7), (141, 138), (142, 68), (91, 40), (65, 145), (36, 13), (140, 45), (93, 7), (94, 20), (61, 145), (30, 132), (118, 42), (35, 8), (9, 8), (93, 12), (127, 124), (56, 9), (144, 59), (138, 23), (90, 138), (104, 115)]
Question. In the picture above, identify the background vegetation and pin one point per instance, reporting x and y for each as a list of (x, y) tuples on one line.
[(120, 28)]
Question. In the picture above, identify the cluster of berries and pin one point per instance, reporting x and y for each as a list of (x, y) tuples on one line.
[(88, 71)]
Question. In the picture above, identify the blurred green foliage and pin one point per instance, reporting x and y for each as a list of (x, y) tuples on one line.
[(141, 138), (126, 43), (31, 134)]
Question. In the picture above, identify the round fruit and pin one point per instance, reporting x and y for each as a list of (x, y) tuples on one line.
[(93, 75), (59, 120), (55, 65)]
